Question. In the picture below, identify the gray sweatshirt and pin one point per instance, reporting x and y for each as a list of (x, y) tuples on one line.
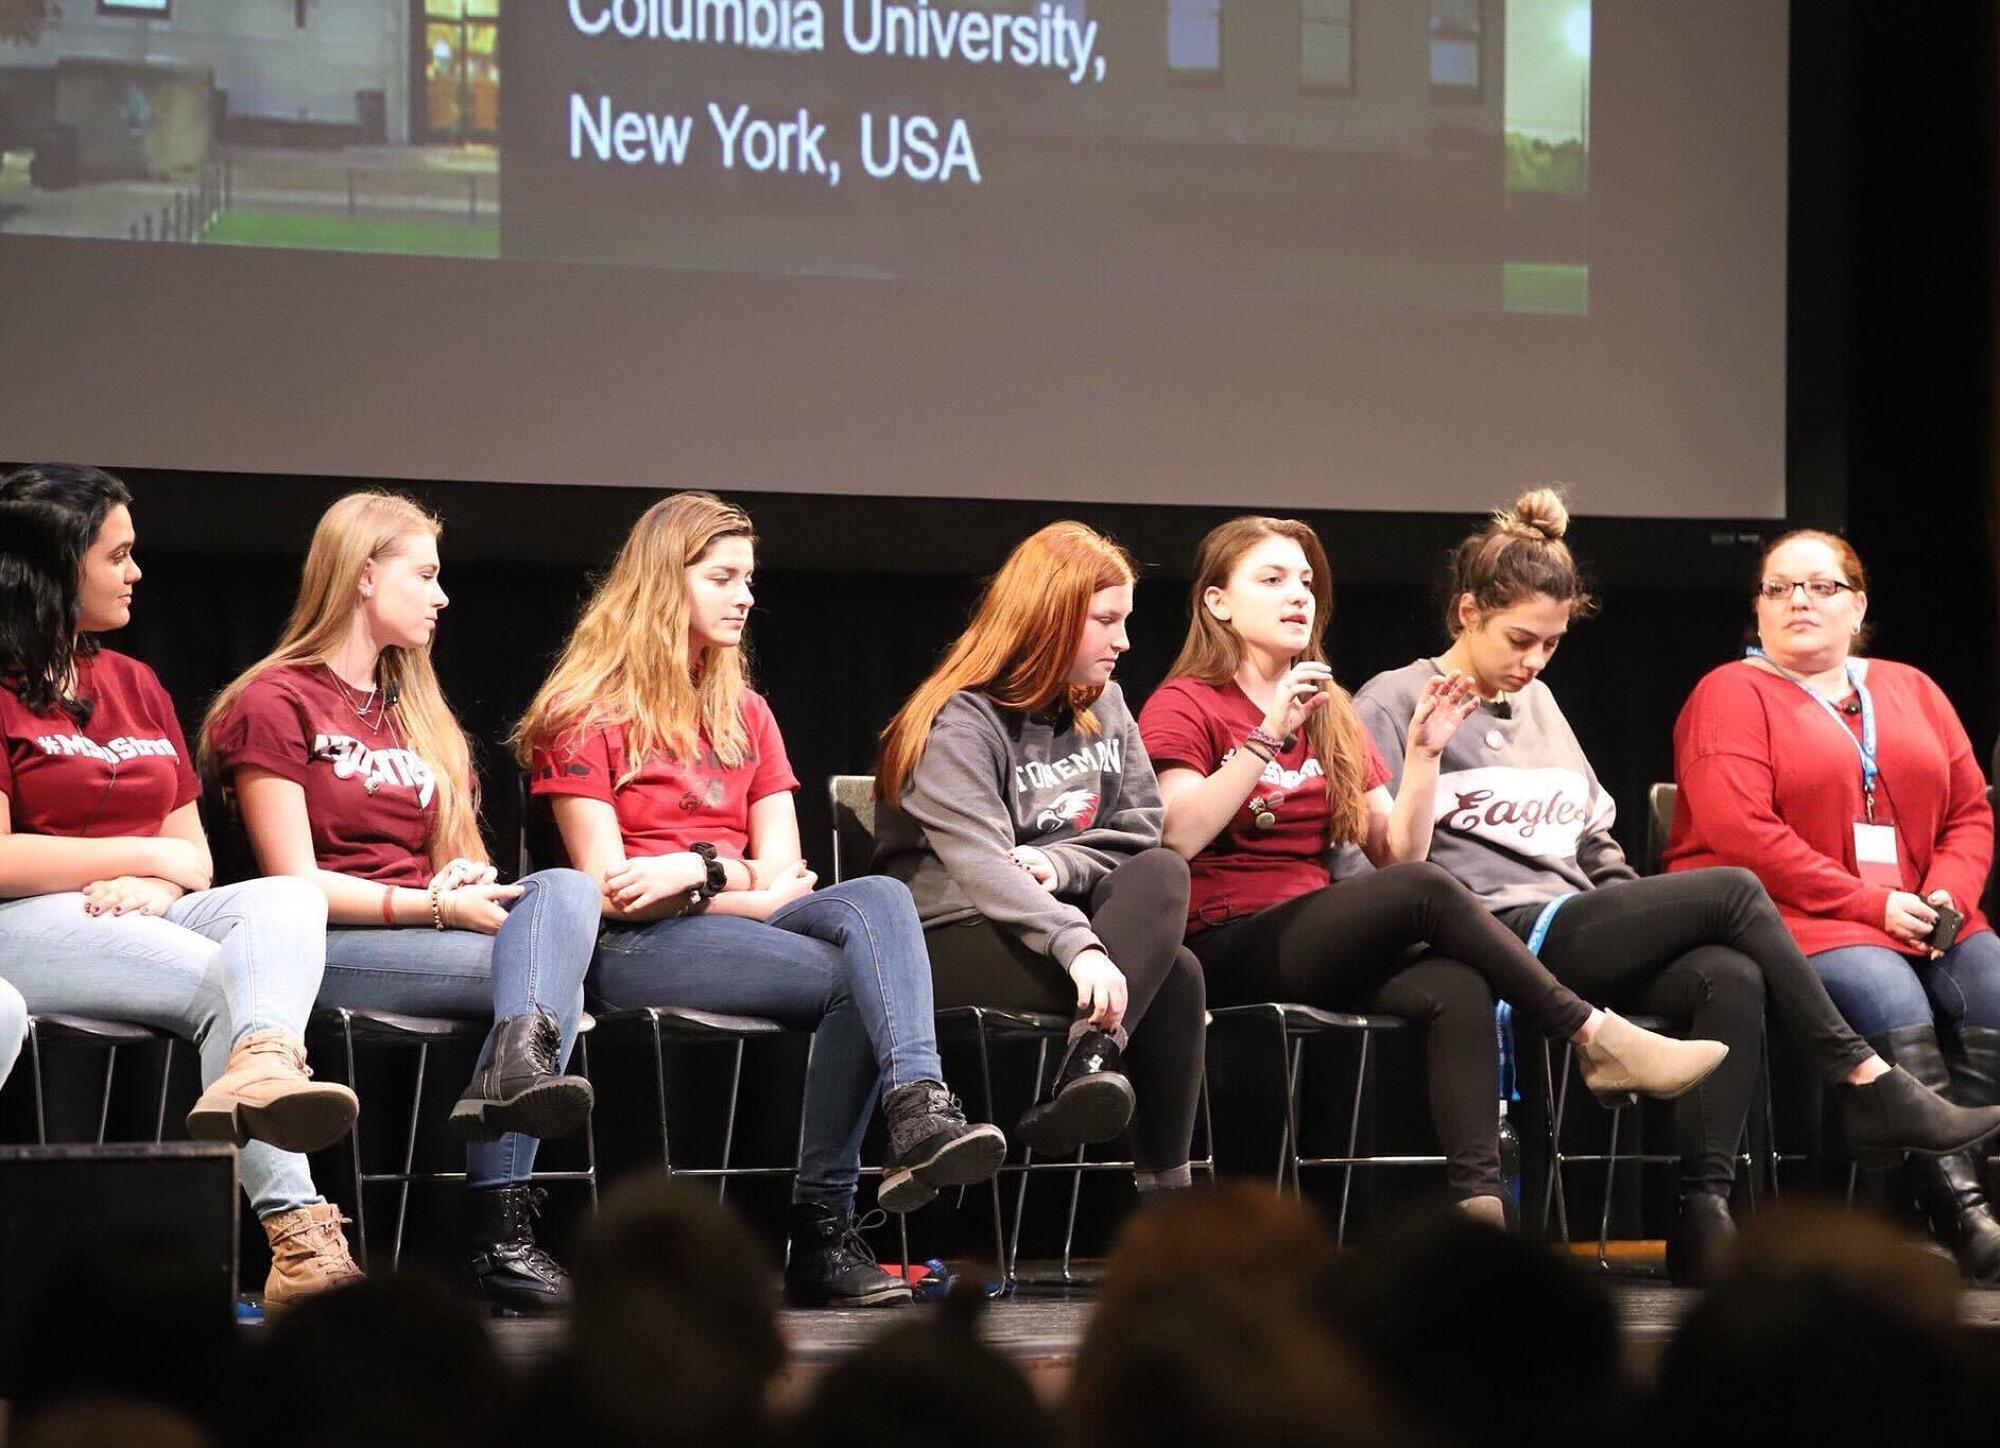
[(990, 779), (1520, 815)]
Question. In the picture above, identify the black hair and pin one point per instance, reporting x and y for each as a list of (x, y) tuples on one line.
[(50, 514)]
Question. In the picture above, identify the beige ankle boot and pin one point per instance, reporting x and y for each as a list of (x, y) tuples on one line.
[(308, 1253), (1490, 1210), (267, 1094), (1624, 1061)]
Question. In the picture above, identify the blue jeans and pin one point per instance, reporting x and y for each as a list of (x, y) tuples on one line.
[(13, 1028), (1878, 989), (847, 963), (538, 959), (219, 964)]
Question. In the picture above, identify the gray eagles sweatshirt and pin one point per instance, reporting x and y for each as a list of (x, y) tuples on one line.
[(1520, 816), (990, 779)]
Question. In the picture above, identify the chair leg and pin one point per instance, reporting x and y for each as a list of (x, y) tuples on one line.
[(1353, 1135), (1208, 1125), (1069, 1227), (354, 1143), (166, 1081), (35, 1066), (104, 1102), (589, 1125), (1285, 1094), (1027, 1161), (1610, 1171), (660, 1097), (409, 1156), (1003, 1263), (1296, 1065), (729, 1122), (1557, 1085)]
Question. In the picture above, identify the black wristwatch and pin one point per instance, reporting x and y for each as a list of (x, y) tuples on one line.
[(716, 878)]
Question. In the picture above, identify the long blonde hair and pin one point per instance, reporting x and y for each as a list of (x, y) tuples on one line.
[(627, 663), (1213, 652), (359, 529), (1020, 644)]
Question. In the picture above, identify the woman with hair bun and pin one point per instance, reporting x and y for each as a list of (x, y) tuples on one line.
[(1265, 769), (1520, 818), (1848, 785)]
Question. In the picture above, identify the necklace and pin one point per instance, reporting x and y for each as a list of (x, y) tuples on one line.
[(372, 699)]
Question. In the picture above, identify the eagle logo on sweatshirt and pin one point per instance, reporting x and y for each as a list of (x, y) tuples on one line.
[(1074, 807)]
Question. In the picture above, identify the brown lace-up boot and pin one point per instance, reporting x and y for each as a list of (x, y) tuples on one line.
[(308, 1253), (266, 1093)]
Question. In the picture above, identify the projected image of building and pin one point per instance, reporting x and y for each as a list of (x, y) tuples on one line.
[(349, 124)]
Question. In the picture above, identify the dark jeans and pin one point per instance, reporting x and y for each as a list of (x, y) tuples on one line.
[(1705, 947), (1345, 947), (846, 963), (1880, 989), (1138, 911)]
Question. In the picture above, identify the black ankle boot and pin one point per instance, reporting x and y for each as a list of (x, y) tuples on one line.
[(1090, 1099), (515, 1086), (831, 1264), (1953, 1197), (510, 1270), (1901, 1111), (1703, 1232), (932, 1145)]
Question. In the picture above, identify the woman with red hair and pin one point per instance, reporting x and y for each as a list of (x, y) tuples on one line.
[(1018, 805)]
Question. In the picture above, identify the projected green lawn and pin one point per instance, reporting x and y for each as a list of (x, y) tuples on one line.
[(341, 233)]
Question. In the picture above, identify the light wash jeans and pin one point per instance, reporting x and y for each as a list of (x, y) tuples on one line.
[(219, 964), (847, 963), (538, 959), (13, 1028), (1879, 989)]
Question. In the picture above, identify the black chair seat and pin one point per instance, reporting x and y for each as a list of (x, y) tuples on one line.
[(957, 1020), (683, 1021), (394, 1025), (1304, 1019), (96, 1029)]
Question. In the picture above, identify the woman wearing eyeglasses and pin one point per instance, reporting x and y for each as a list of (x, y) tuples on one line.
[(1849, 786)]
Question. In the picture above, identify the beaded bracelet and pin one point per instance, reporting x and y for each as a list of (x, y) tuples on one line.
[(437, 909), (1270, 741)]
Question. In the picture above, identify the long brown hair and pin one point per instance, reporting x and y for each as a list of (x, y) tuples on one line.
[(1213, 652), (627, 662), (1519, 554), (357, 530), (1020, 644)]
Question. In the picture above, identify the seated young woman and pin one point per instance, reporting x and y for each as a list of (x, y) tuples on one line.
[(670, 786), (1017, 801), (1265, 768), (1522, 821), (106, 905), (350, 772)]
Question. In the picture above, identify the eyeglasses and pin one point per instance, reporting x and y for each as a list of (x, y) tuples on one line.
[(1777, 590)]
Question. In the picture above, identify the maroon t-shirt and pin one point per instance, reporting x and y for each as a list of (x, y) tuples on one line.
[(121, 774), (1244, 869), (371, 800), (669, 804)]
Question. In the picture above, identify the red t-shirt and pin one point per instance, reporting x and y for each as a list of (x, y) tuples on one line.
[(1192, 725), (372, 802), (1768, 783), (668, 805), (121, 774)]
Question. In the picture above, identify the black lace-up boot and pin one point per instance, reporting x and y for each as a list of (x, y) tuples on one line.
[(515, 1086), (511, 1271), (831, 1263), (932, 1145)]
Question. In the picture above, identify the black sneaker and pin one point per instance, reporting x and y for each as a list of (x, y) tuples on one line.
[(1090, 1099), (512, 1272), (932, 1145), (832, 1264)]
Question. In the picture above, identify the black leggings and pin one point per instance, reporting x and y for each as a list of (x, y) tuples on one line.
[(1138, 912), (1705, 947), (1343, 948)]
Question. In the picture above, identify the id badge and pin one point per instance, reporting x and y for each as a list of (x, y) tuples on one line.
[(1875, 855)]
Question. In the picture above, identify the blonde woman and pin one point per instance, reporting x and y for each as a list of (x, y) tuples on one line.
[(351, 772), (669, 784)]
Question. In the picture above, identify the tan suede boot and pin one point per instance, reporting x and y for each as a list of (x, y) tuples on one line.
[(266, 1094), (1624, 1060), (308, 1253)]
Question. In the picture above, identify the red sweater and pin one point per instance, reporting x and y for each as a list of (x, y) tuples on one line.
[(1768, 783)]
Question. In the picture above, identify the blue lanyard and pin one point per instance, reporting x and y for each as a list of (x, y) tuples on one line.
[(1503, 1013), (1865, 745), (1544, 920)]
